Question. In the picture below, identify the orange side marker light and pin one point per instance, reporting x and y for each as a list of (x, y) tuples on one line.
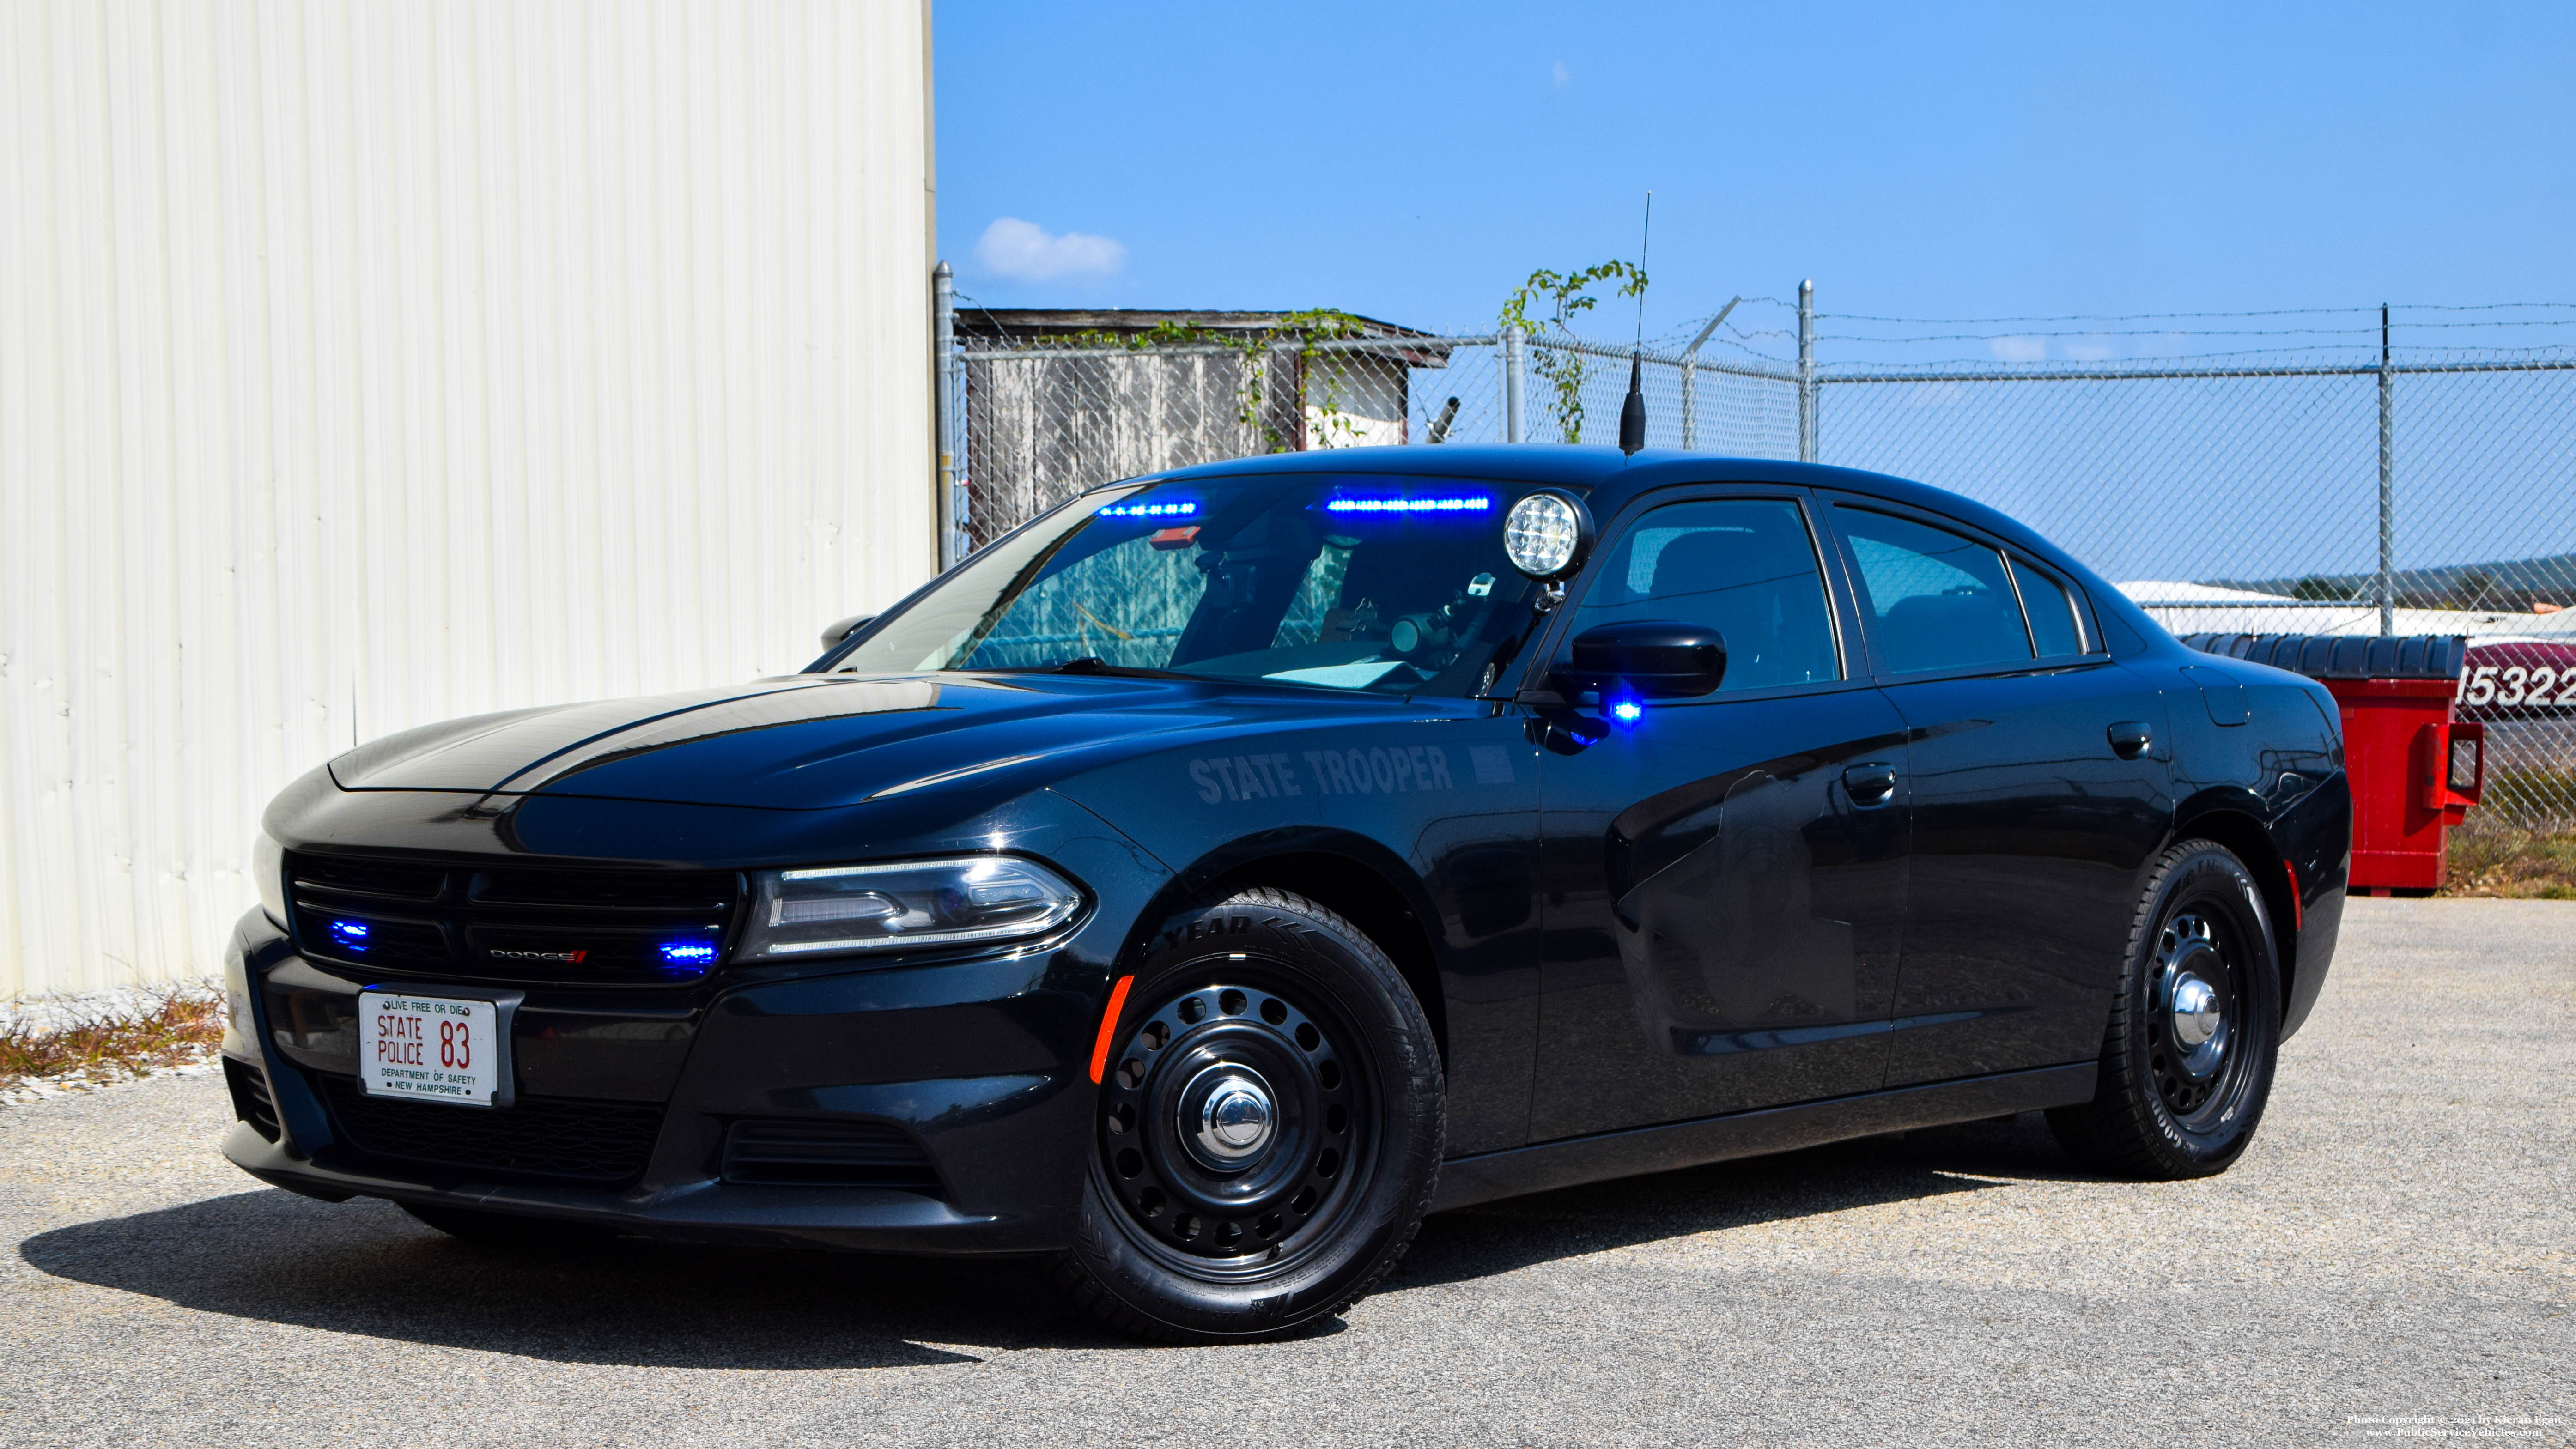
[(1108, 1024)]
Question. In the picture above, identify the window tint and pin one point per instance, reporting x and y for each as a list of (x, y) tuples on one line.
[(1745, 567), (2052, 614), (1935, 600)]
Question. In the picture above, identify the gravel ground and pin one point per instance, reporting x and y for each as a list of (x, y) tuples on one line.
[(2391, 1260)]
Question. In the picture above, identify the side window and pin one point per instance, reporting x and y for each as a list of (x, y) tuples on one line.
[(1934, 600), (2054, 624), (1745, 567)]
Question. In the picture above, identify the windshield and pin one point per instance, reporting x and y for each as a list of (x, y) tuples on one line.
[(1392, 585)]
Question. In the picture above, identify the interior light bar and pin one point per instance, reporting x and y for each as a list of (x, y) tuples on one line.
[(1477, 504), (1149, 510)]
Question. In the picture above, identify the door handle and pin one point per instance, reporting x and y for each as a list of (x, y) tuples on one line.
[(1870, 785), (2130, 738)]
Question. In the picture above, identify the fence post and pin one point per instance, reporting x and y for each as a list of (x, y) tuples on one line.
[(1512, 384), (1807, 371), (947, 393), (2387, 490), (1690, 403)]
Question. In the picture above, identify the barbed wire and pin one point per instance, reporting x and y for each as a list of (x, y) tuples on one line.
[(2107, 332), (2003, 368), (2088, 317), (2370, 331), (2181, 316)]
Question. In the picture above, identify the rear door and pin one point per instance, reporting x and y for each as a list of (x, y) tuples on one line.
[(1724, 878), (2036, 803)]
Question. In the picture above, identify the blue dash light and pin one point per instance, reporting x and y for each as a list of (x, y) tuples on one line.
[(688, 953), (1150, 510), (349, 935), (1478, 503)]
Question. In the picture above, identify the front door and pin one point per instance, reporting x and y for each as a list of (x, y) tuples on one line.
[(2039, 789), (1724, 879)]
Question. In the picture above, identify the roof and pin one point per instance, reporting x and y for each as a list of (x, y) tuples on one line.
[(1040, 324), (1066, 321), (1607, 479)]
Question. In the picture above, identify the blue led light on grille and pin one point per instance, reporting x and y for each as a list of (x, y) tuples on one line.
[(349, 935), (1149, 510), (1476, 504), (688, 953)]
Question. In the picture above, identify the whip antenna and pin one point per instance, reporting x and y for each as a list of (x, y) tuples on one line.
[(1632, 411)]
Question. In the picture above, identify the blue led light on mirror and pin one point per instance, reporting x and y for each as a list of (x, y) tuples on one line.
[(1182, 509), (1627, 711), (1478, 503), (349, 935)]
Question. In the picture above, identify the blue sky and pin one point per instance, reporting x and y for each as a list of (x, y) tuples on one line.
[(1415, 161)]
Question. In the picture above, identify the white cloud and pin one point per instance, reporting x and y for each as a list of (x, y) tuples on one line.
[(1024, 251), (2018, 349), (2092, 349), (1559, 72)]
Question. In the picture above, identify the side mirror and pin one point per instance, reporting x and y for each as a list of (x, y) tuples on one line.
[(833, 635), (1658, 658)]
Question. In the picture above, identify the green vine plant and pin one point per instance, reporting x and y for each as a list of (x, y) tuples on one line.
[(1561, 297), (1332, 425)]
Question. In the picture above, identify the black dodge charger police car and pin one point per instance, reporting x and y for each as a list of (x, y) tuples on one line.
[(1211, 878)]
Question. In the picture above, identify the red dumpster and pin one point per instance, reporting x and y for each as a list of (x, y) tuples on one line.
[(2415, 768)]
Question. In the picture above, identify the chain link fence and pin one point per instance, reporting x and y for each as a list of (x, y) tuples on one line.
[(2412, 491)]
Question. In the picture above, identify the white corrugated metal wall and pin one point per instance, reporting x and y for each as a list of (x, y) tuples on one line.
[(366, 364)]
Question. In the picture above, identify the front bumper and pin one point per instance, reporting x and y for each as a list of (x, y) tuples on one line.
[(980, 1061), (876, 1219)]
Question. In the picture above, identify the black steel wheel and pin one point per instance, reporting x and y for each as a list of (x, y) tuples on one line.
[(2195, 1029), (1268, 1127)]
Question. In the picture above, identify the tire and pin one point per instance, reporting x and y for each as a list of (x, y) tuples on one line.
[(508, 1232), (2181, 1091), (1268, 1130)]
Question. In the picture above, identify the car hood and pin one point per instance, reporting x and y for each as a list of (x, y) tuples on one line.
[(812, 742)]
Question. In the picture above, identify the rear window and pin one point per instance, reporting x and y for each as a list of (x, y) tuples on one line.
[(2054, 625)]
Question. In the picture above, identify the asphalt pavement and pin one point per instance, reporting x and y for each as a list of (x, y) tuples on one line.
[(2390, 1261)]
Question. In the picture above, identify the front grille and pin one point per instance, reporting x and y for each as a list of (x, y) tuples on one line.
[(827, 1154), (513, 923), (546, 1138), (251, 1101)]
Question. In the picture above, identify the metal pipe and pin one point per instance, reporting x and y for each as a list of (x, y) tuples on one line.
[(945, 395), (1711, 328), (1690, 374), (1671, 359), (2387, 489), (1512, 353), (1807, 371)]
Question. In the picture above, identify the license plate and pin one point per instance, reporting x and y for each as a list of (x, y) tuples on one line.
[(431, 1048)]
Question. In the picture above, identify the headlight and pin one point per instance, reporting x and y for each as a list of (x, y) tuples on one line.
[(268, 872), (904, 904)]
